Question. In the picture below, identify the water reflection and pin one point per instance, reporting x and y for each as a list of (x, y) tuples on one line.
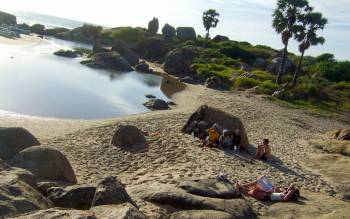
[(35, 82)]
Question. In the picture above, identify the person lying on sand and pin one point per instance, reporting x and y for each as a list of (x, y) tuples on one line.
[(263, 151), (263, 190), (200, 130), (213, 137)]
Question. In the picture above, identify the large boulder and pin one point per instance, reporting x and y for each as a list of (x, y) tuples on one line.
[(186, 33), (17, 194), (213, 188), (220, 38), (153, 27), (143, 67), (111, 191), (178, 199), (123, 49), (77, 197), (13, 140), (153, 49), (128, 135), (213, 83), (260, 63), (211, 116), (201, 214), (156, 104), (179, 60), (46, 163), (6, 18), (276, 63), (109, 60), (122, 211), (168, 31), (66, 53)]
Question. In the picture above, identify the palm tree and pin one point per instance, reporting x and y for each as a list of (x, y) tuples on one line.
[(210, 20), (284, 21), (306, 34)]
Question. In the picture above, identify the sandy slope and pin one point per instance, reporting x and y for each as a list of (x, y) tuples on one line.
[(174, 156)]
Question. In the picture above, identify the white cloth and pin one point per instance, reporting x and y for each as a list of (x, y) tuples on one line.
[(276, 196)]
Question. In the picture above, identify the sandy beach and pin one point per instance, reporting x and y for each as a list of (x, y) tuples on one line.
[(23, 40)]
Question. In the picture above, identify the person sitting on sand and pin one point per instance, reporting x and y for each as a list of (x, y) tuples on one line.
[(226, 139), (264, 150), (200, 130), (263, 190), (213, 136), (237, 140)]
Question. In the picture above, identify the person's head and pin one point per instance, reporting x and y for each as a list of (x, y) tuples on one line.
[(226, 132), (237, 131), (266, 141)]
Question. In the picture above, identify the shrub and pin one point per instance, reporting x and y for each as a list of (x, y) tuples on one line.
[(326, 57), (127, 34), (246, 83), (236, 52), (343, 85), (267, 87), (263, 75), (209, 70), (37, 28), (334, 71), (168, 31)]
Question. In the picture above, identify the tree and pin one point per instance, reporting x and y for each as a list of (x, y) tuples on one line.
[(153, 27), (306, 34), (92, 31), (210, 20), (285, 18)]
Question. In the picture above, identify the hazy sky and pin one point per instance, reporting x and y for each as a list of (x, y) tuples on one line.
[(242, 20)]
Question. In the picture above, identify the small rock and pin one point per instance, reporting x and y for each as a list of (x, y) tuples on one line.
[(150, 96), (156, 104)]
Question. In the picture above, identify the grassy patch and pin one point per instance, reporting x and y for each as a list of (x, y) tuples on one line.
[(267, 87), (209, 70), (243, 82)]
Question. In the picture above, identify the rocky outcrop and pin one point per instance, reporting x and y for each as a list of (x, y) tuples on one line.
[(213, 188), (153, 27), (122, 211), (6, 18), (66, 53), (200, 214), (260, 63), (123, 49), (17, 194), (156, 104), (153, 49), (76, 197), (111, 191), (109, 60), (13, 140), (341, 134), (211, 116), (179, 60), (143, 67), (213, 83), (45, 163), (168, 31), (186, 33), (220, 38), (276, 63), (128, 135)]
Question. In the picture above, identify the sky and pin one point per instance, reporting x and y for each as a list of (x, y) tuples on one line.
[(241, 20)]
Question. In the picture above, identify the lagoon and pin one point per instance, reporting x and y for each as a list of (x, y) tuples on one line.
[(35, 82)]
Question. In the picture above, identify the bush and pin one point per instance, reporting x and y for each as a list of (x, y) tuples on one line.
[(209, 70), (236, 52), (37, 28), (126, 34), (326, 57), (263, 75), (334, 71), (342, 85), (267, 87), (246, 83)]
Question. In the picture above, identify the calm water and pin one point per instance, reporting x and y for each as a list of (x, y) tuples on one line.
[(36, 82)]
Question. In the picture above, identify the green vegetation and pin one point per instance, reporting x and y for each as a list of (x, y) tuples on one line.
[(209, 70), (243, 82), (37, 28), (126, 34)]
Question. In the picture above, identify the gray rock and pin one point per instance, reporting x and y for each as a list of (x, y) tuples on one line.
[(187, 79), (276, 63), (122, 211), (168, 31), (43, 187), (109, 60), (179, 60), (128, 135), (13, 140), (156, 104), (123, 49), (150, 96), (66, 53), (211, 115), (154, 48), (6, 18), (260, 63), (143, 67), (186, 33), (213, 188), (171, 103), (17, 194), (46, 163), (220, 38), (245, 67), (201, 214), (76, 197), (213, 83), (111, 191)]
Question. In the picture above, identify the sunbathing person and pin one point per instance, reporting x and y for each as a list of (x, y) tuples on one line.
[(226, 139), (213, 137), (263, 151), (263, 190), (200, 130)]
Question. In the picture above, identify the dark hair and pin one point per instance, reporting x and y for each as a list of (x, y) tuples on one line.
[(266, 140), (295, 196)]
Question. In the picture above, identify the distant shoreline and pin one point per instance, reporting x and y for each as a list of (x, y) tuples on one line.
[(23, 40)]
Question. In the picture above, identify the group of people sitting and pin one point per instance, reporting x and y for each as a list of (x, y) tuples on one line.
[(228, 139)]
